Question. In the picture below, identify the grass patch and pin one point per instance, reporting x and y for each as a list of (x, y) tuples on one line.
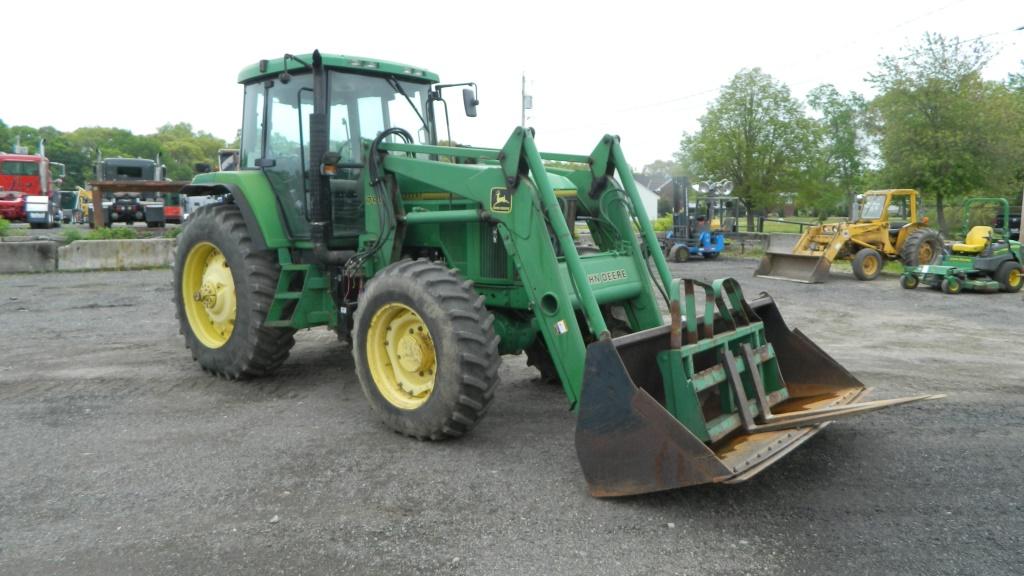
[(173, 232), (5, 227), (71, 234), (111, 234), (735, 249), (890, 268)]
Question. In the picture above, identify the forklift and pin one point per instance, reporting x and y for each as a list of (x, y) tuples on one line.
[(695, 230)]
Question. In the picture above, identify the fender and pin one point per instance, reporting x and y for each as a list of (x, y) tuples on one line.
[(250, 191)]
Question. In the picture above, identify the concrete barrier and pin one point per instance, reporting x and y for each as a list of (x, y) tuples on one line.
[(116, 254), (31, 256)]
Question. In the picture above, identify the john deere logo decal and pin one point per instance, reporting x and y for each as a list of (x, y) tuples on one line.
[(501, 200), (611, 276)]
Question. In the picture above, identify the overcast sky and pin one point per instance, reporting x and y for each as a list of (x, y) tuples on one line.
[(642, 69)]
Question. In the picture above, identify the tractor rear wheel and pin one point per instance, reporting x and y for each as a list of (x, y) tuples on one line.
[(223, 288), (867, 264), (1010, 276), (425, 350), (922, 247)]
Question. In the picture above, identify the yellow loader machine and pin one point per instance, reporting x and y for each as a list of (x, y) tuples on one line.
[(886, 227), (432, 262)]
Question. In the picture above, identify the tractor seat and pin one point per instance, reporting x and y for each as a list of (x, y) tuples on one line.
[(976, 242)]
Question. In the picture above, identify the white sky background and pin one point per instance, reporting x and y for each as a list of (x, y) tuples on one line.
[(645, 70)]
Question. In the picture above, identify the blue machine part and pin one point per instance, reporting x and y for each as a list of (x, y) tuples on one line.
[(708, 243)]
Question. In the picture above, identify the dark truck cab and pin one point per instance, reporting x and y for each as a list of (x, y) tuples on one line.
[(130, 207)]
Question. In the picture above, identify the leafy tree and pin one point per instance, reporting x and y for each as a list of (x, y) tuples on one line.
[(178, 146), (839, 170), (181, 149), (943, 129), (755, 134)]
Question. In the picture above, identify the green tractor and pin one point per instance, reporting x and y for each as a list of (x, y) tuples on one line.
[(986, 261), (433, 261)]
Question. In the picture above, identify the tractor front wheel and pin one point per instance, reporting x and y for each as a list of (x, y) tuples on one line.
[(867, 264), (908, 281), (951, 286), (679, 253), (425, 350), (1010, 276), (223, 288)]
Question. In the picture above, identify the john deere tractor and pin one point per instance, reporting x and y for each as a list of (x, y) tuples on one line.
[(434, 261)]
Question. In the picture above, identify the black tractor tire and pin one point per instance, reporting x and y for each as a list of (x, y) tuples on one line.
[(863, 268), (1008, 281), (465, 348), (951, 286), (922, 240), (678, 254), (253, 349), (711, 255), (909, 281)]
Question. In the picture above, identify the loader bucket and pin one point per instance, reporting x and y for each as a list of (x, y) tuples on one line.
[(662, 409), (794, 267)]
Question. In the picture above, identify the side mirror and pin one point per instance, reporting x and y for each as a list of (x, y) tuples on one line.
[(470, 102)]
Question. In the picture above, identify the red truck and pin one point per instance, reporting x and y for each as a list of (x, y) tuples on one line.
[(23, 176)]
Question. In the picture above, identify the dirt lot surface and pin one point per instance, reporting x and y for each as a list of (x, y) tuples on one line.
[(119, 456)]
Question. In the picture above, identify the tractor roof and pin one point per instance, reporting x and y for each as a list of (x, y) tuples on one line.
[(337, 61)]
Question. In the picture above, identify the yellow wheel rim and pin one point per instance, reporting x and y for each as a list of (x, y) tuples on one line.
[(401, 356), (870, 266), (208, 291), (1014, 279), (925, 254)]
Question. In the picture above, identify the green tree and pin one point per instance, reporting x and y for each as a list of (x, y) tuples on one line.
[(181, 148), (943, 129), (839, 170), (755, 134)]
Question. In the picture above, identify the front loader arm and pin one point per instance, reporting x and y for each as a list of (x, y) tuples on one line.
[(513, 192)]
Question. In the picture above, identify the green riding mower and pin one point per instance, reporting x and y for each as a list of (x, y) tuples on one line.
[(986, 261), (432, 262)]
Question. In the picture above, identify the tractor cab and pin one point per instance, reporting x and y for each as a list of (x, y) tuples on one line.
[(895, 208), (303, 111)]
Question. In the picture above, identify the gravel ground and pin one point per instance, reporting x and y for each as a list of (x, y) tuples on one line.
[(119, 456)]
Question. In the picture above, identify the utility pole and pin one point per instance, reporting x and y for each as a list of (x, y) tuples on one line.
[(527, 103), (522, 121)]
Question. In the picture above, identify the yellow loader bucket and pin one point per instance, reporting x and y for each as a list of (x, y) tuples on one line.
[(794, 267), (701, 402)]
